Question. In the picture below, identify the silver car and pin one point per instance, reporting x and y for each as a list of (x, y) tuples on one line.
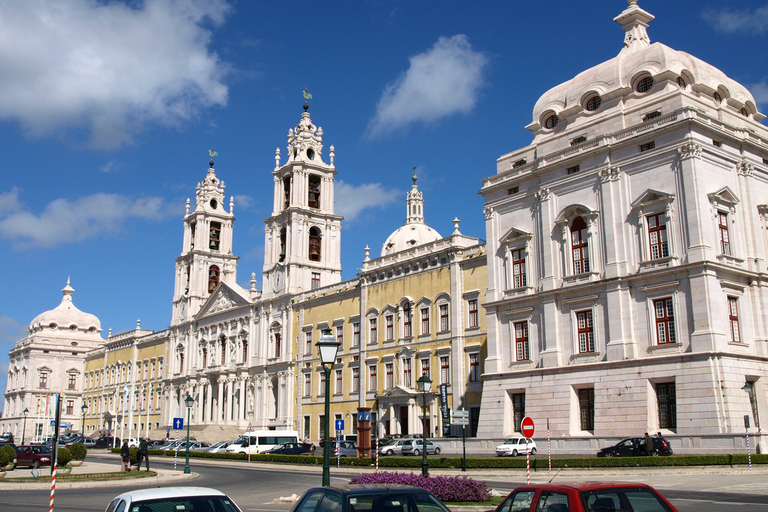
[(343, 449), (416, 447), (395, 448), (173, 498), (219, 447)]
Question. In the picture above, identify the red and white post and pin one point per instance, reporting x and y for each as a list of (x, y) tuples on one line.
[(527, 428), (53, 485)]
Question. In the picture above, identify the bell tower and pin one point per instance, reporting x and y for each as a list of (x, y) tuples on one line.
[(206, 257), (302, 246)]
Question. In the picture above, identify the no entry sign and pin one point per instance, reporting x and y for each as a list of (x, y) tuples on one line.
[(527, 427)]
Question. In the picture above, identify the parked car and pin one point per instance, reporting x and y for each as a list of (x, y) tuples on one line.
[(343, 449), (12, 445), (342, 437), (89, 442), (635, 447), (514, 446), (586, 497), (33, 455), (291, 449), (218, 447), (107, 442), (370, 497), (395, 448), (154, 443), (173, 498), (416, 447), (6, 437)]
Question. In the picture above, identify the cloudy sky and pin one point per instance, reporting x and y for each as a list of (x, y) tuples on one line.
[(108, 110)]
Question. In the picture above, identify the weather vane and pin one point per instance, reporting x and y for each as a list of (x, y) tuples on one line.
[(212, 154), (307, 96)]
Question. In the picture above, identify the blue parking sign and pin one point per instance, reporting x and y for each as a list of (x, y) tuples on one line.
[(178, 423)]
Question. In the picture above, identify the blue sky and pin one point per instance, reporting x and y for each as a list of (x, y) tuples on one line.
[(108, 110)]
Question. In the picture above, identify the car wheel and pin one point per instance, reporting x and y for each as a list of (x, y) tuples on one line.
[(514, 453), (416, 452), (437, 451), (389, 452), (35, 464), (533, 451), (655, 454), (608, 454)]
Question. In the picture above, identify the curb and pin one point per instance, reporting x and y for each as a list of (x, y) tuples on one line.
[(163, 476)]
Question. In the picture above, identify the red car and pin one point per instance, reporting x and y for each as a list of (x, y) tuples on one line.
[(586, 497), (34, 455)]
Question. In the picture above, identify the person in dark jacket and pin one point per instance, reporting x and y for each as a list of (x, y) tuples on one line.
[(143, 453), (648, 444), (125, 456)]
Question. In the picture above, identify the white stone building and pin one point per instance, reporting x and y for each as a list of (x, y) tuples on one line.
[(628, 288)]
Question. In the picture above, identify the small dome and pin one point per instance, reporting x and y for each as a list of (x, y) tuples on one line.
[(66, 317), (415, 230)]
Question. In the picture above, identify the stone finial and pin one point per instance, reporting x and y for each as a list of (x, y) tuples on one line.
[(277, 158), (231, 204), (138, 324), (332, 154), (634, 21), (253, 281), (187, 206), (456, 223), (367, 253)]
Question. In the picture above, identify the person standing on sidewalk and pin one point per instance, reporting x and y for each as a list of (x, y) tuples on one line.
[(648, 444), (125, 456), (143, 453)]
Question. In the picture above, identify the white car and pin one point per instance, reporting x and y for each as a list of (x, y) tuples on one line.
[(173, 498), (220, 447), (515, 446)]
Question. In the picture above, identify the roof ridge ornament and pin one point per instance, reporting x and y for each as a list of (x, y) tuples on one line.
[(634, 21)]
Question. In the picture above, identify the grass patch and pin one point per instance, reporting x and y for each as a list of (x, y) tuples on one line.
[(120, 475)]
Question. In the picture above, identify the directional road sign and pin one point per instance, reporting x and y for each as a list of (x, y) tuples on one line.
[(460, 417), (527, 427), (178, 423), (339, 424)]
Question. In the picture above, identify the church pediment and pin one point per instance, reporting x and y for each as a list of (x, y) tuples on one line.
[(397, 392), (724, 196), (223, 298), (514, 236), (651, 197)]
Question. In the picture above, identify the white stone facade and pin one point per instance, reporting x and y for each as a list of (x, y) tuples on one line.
[(627, 257)]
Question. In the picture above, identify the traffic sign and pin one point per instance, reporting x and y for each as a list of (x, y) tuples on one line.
[(364, 416), (339, 424), (250, 428), (460, 417), (527, 427), (178, 423)]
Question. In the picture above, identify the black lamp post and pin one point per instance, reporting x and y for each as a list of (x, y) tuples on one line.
[(83, 408), (328, 347), (189, 401), (24, 429), (425, 383)]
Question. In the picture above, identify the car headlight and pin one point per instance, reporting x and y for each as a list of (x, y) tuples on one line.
[(44, 459)]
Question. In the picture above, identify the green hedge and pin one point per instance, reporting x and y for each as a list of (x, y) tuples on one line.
[(538, 463)]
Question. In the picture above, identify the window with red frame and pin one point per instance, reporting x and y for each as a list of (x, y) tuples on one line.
[(722, 226), (308, 342), (373, 381), (338, 382), (665, 321), (519, 278), (322, 384), (474, 367), (72, 381), (390, 327), (356, 334), (407, 381), (425, 366), (340, 335), (278, 339), (473, 315), (657, 236), (315, 284), (579, 246), (425, 321), (70, 406), (521, 341), (585, 331), (389, 367), (407, 330), (445, 370), (445, 326), (307, 384), (372, 324), (733, 319), (355, 380)]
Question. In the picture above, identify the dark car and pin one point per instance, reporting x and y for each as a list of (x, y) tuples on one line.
[(368, 498), (291, 449), (586, 497), (107, 442), (33, 455), (635, 447)]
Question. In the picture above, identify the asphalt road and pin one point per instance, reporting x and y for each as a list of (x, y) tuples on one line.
[(254, 488)]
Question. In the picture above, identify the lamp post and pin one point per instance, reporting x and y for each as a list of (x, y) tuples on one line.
[(24, 429), (328, 347), (189, 402), (425, 383), (82, 425)]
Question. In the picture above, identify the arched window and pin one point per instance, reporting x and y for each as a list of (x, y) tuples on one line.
[(407, 321), (223, 349), (213, 278), (282, 245), (315, 238), (205, 357), (287, 191), (213, 243), (314, 192), (579, 246)]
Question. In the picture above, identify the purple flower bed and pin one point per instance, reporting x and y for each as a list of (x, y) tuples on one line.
[(445, 488)]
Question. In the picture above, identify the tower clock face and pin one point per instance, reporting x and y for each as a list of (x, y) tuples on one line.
[(183, 308), (278, 280)]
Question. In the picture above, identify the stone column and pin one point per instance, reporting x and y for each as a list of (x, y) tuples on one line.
[(220, 403)]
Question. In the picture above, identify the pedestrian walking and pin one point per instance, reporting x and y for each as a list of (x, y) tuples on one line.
[(648, 444), (143, 453), (125, 456)]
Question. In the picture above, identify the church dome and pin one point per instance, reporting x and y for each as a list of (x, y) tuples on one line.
[(66, 317), (640, 68), (415, 231)]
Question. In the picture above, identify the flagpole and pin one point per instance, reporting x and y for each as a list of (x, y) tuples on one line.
[(122, 417), (130, 410), (149, 403)]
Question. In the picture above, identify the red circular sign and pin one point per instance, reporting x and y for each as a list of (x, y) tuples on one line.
[(527, 427)]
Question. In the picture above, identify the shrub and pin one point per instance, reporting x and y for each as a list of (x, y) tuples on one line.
[(78, 451), (445, 488), (134, 455), (7, 454), (64, 457)]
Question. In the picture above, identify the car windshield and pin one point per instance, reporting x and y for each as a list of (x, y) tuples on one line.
[(185, 504), (393, 502), (623, 499), (511, 441)]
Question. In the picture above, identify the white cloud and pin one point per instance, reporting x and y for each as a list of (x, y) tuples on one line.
[(444, 80), (9, 201), (351, 200), (107, 67), (738, 20), (65, 221), (243, 201)]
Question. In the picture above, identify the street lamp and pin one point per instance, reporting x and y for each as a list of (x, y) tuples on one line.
[(189, 402), (328, 346), (24, 429), (425, 383), (83, 408)]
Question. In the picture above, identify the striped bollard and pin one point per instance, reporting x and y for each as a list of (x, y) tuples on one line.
[(53, 487), (376, 454), (527, 461), (549, 447), (175, 451)]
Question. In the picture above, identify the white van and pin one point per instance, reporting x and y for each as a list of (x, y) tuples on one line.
[(258, 441)]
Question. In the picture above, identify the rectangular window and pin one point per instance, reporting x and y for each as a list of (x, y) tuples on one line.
[(665, 396), (321, 425), (657, 236), (390, 321), (307, 429), (665, 321), (72, 385), (356, 334), (425, 321), (70, 407), (322, 384), (307, 342), (407, 319), (307, 384), (355, 380), (245, 351), (425, 367), (338, 382), (519, 278), (444, 324), (44, 380), (750, 387), (340, 335), (315, 284), (389, 367), (722, 226), (518, 408), (277, 347), (733, 319), (407, 381), (521, 341), (372, 324), (585, 331), (647, 147), (580, 246), (474, 367), (587, 408), (473, 316), (373, 380), (445, 370), (573, 170)]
